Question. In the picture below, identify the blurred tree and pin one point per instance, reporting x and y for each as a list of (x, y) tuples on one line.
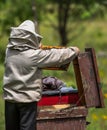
[(73, 10), (13, 12)]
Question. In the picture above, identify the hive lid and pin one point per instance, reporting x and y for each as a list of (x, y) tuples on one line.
[(88, 80)]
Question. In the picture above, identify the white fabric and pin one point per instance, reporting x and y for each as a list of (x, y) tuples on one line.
[(24, 36), (28, 25), (24, 62)]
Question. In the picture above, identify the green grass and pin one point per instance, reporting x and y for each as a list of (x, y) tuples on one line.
[(1, 76), (98, 118), (1, 113), (1, 98)]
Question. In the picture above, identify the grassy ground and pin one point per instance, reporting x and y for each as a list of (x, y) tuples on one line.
[(92, 34), (1, 113)]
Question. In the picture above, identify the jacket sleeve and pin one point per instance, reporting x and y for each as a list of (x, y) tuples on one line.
[(52, 57)]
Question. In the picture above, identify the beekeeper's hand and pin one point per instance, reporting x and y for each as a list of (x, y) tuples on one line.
[(76, 49)]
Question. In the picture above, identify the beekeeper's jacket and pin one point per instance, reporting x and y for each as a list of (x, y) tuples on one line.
[(24, 62)]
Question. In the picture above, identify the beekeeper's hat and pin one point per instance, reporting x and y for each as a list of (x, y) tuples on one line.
[(29, 26)]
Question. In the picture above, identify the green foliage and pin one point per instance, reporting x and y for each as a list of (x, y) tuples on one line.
[(84, 32), (98, 117), (1, 113), (1, 77), (12, 12), (3, 44)]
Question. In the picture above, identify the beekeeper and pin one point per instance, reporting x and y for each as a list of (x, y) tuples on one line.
[(22, 77)]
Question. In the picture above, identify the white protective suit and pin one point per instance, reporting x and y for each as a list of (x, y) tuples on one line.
[(24, 62)]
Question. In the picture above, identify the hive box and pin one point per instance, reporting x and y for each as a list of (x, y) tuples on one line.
[(89, 94), (89, 91)]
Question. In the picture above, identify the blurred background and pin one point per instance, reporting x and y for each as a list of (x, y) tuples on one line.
[(81, 23)]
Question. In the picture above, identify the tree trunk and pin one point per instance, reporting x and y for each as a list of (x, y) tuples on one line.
[(63, 15)]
